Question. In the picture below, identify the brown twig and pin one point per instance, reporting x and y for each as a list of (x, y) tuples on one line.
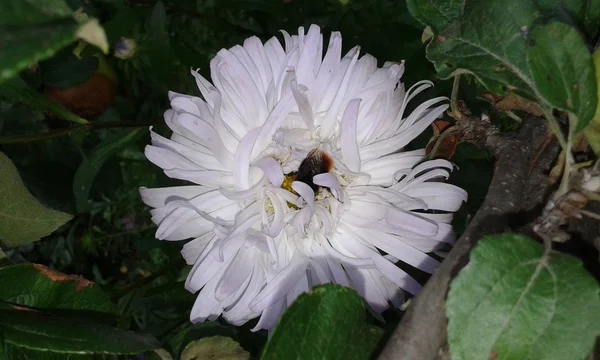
[(421, 335)]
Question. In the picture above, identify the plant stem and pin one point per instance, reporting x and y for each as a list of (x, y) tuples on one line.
[(569, 160), (454, 99), (62, 132), (555, 128)]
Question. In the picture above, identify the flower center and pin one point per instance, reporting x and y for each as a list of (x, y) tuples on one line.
[(316, 162)]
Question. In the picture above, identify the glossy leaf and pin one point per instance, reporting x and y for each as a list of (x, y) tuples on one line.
[(37, 332), (562, 70), (37, 286), (306, 329), (516, 301), (22, 218), (91, 165)]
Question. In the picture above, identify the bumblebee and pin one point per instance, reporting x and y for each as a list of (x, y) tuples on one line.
[(316, 162)]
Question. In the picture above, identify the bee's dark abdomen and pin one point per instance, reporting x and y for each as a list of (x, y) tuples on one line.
[(315, 163)]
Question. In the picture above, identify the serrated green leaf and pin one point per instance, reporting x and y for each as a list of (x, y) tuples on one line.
[(17, 90), (37, 286), (306, 329), (36, 331), (516, 301), (91, 165), (563, 71), (22, 218), (216, 347), (494, 57), (437, 14)]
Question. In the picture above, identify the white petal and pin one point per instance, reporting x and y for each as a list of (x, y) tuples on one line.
[(330, 180), (278, 287), (160, 196), (348, 137), (439, 196), (271, 168), (192, 249)]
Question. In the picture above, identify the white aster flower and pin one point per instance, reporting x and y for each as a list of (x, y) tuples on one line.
[(262, 233)]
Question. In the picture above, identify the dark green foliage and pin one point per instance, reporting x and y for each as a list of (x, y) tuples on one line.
[(55, 162)]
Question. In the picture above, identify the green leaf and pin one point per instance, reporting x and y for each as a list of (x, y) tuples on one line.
[(516, 301), (197, 332), (488, 41), (563, 71), (31, 12), (435, 13), (23, 46), (33, 30), (4, 261), (42, 333), (91, 165), (22, 218), (40, 287), (592, 131), (327, 323), (17, 90), (584, 13), (216, 347), (158, 45), (68, 70)]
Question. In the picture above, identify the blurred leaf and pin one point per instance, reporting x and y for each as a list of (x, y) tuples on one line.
[(17, 90), (32, 12), (160, 354), (40, 287), (592, 132), (584, 13), (43, 334), (22, 218), (516, 301), (67, 71), (327, 323), (4, 260), (92, 33), (33, 30), (563, 71), (22, 46), (91, 165), (158, 47), (197, 332), (436, 13), (216, 347)]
